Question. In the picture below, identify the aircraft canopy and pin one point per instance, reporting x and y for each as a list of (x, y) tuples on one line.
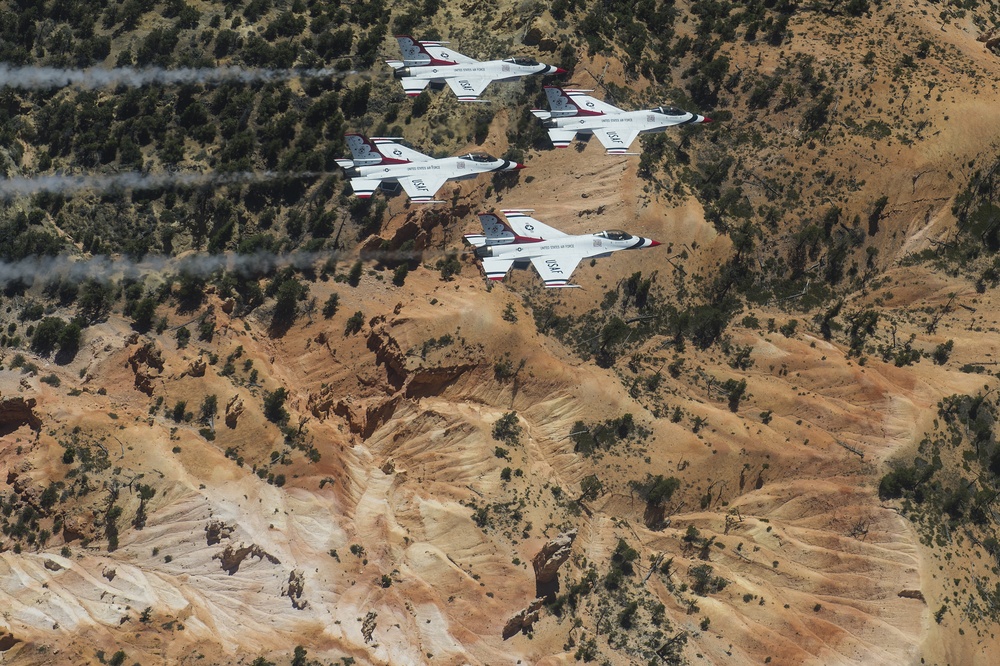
[(615, 234), (478, 157), (528, 62), (669, 110)]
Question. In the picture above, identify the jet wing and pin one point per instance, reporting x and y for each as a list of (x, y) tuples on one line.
[(555, 269), (468, 88), (496, 267), (421, 189), (616, 141)]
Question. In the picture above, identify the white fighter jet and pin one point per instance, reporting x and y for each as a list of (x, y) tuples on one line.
[(554, 254), (381, 160), (424, 62), (574, 111)]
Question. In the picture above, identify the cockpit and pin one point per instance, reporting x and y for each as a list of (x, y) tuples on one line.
[(615, 235), (527, 62), (478, 157), (669, 111)]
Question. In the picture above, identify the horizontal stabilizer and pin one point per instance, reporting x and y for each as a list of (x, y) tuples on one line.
[(561, 138), (413, 86), (475, 240), (364, 187), (345, 164), (543, 115), (496, 267)]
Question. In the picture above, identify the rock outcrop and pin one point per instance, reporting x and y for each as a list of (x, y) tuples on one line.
[(523, 619), (17, 412), (387, 353), (991, 40), (320, 403), (546, 564), (425, 382), (196, 369), (234, 409), (147, 365), (231, 558), (73, 529), (7, 641), (912, 594), (548, 560), (296, 585), (216, 531), (365, 416)]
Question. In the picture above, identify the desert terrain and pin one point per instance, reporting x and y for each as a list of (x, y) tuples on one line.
[(444, 471)]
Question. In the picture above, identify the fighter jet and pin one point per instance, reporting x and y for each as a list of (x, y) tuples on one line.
[(554, 254), (424, 62), (380, 160), (574, 111)]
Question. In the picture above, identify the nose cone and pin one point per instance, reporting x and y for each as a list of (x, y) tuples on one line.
[(705, 120), (559, 70), (518, 166), (653, 243)]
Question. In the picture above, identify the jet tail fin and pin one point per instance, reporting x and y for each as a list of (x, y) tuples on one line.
[(363, 151), (416, 53), (496, 231), (562, 104), (366, 152), (390, 149), (567, 102)]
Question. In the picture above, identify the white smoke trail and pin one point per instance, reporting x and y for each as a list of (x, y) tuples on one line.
[(107, 268), (41, 78), (63, 184)]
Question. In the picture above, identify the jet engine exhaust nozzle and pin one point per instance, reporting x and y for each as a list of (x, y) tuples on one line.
[(401, 72)]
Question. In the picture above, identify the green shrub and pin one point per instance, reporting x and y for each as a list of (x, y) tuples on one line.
[(355, 323), (507, 429)]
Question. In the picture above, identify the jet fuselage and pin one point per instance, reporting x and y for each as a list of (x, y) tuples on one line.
[(452, 168), (642, 121), (585, 246), (497, 70)]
